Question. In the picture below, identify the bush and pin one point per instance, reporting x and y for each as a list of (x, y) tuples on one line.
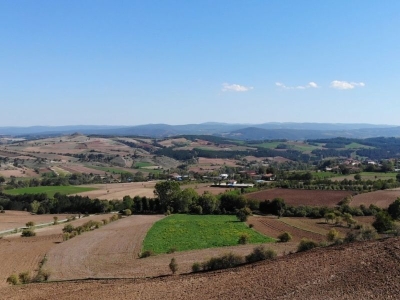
[(146, 253), (43, 275), (368, 233), (243, 213), (13, 279), (114, 218), (28, 233), (243, 239), (251, 225), (30, 224), (173, 265), (306, 244), (24, 277), (105, 221), (225, 261), (383, 222), (332, 235), (2, 211), (196, 267), (68, 228), (285, 237), (260, 253), (55, 220), (127, 212)]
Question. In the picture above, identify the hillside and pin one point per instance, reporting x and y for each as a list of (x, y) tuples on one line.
[(357, 271)]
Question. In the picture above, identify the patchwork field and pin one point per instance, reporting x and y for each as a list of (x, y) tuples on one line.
[(379, 198), (119, 190), (301, 197), (49, 190), (189, 232)]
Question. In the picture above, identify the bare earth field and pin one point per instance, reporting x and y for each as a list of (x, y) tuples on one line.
[(24, 254), (356, 271), (301, 197), (12, 219), (119, 190), (378, 198)]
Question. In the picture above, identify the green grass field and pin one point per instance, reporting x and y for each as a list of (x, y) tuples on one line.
[(188, 232), (357, 146), (49, 190), (369, 176), (143, 164)]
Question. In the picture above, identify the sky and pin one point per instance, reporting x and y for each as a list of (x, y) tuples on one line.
[(178, 62)]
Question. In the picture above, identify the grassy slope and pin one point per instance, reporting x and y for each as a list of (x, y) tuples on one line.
[(188, 232), (49, 190)]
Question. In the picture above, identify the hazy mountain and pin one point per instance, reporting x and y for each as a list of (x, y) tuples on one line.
[(291, 131)]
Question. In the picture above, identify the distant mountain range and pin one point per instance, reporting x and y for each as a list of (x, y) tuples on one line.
[(290, 131)]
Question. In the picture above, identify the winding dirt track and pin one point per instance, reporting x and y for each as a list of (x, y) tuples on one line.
[(363, 270)]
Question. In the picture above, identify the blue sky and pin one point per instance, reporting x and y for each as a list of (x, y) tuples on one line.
[(178, 62)]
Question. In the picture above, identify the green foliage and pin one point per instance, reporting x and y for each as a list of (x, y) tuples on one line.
[(332, 235), (196, 267), (28, 233), (225, 261), (394, 209), (260, 253), (243, 213), (285, 237), (244, 239), (127, 212), (30, 224), (173, 265), (68, 228), (306, 244), (167, 192), (24, 277), (187, 232), (13, 279), (383, 222), (275, 207)]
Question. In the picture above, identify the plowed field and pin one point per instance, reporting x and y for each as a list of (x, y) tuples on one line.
[(301, 197), (378, 198), (363, 270)]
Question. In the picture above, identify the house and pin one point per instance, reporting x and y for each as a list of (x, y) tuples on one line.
[(269, 177)]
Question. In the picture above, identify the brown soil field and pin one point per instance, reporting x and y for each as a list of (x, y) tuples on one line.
[(119, 190), (16, 173), (301, 197), (12, 219), (24, 254), (362, 270), (81, 169), (217, 161), (279, 159), (378, 198), (106, 252)]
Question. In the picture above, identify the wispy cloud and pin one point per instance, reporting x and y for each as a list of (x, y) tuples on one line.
[(345, 85), (310, 85), (226, 87)]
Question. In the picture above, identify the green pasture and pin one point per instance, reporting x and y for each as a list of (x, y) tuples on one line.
[(189, 232), (49, 190)]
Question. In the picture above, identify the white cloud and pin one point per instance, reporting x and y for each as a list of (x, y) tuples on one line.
[(311, 84), (226, 87), (344, 85)]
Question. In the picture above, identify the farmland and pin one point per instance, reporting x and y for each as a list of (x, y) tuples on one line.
[(378, 198), (49, 190), (178, 231), (301, 197)]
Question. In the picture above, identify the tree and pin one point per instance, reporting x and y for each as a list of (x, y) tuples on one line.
[(35, 206), (167, 192), (285, 237), (243, 213), (186, 198), (173, 265), (332, 235), (357, 177), (394, 209), (348, 218), (2, 180), (383, 222), (329, 217)]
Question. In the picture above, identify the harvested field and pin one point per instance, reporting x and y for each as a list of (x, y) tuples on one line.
[(378, 198), (81, 169), (363, 270), (119, 190), (105, 252), (301, 197), (12, 219), (16, 173), (24, 254)]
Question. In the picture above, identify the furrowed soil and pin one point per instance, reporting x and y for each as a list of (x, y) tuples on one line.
[(301, 197), (362, 270), (24, 254), (379, 198)]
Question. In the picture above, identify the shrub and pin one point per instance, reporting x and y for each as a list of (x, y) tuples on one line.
[(28, 233), (368, 233), (30, 224), (68, 228), (383, 222), (332, 235), (105, 221), (2, 211), (225, 261), (146, 253), (243, 213), (306, 244), (24, 277), (243, 239), (251, 225), (43, 275), (13, 279), (173, 265), (55, 220), (260, 253), (285, 237), (127, 212), (66, 236), (196, 267), (113, 218), (351, 236)]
